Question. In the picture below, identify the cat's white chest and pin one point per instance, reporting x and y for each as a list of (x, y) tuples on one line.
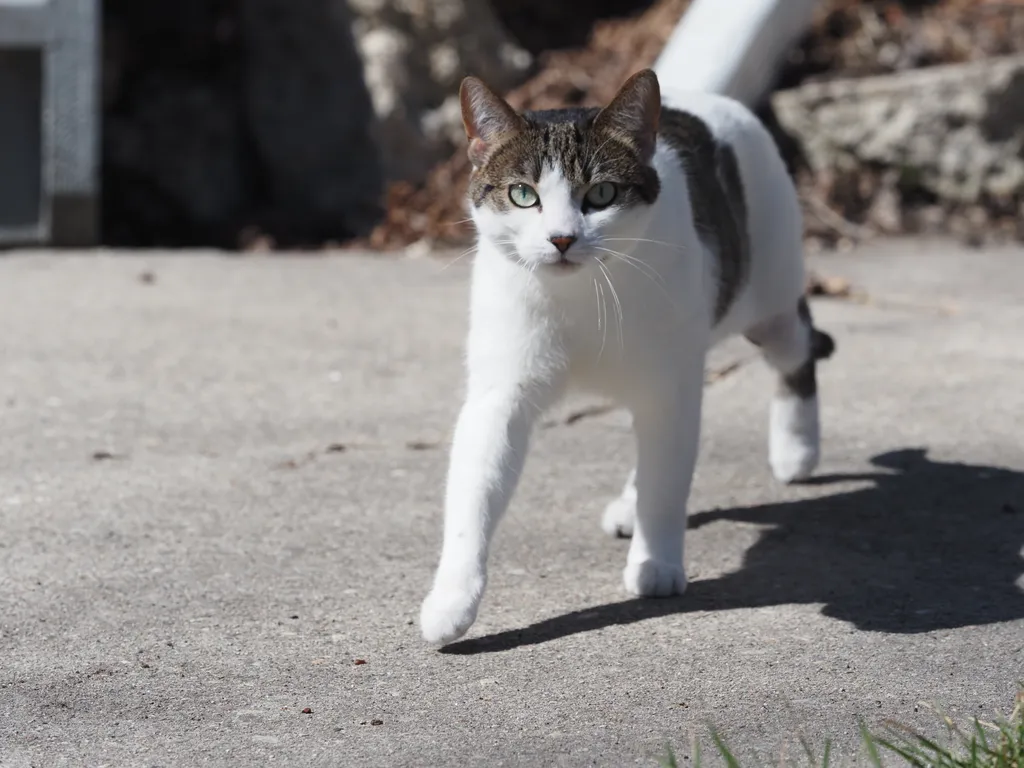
[(627, 324)]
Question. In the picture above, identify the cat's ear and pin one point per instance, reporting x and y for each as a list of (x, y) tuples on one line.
[(635, 112), (487, 118)]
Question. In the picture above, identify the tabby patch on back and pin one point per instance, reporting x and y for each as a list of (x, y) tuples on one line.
[(716, 197)]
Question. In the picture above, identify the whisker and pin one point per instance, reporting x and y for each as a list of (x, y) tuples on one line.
[(618, 306), (639, 264), (475, 249), (638, 261), (603, 308), (645, 269), (676, 246), (457, 259), (633, 260)]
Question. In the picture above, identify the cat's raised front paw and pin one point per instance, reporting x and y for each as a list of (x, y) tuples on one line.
[(619, 516), (449, 611), (654, 579)]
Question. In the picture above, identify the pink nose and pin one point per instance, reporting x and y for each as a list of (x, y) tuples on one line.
[(562, 243)]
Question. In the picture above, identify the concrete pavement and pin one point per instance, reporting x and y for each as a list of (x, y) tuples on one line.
[(221, 481)]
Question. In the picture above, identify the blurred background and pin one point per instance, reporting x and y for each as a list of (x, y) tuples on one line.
[(274, 124)]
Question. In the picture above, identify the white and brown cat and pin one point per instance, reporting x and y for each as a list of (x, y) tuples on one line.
[(616, 246)]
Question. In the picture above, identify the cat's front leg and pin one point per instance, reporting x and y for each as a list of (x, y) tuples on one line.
[(620, 514), (667, 426), (488, 451)]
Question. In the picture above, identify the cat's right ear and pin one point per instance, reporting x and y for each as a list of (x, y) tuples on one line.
[(487, 118), (635, 112)]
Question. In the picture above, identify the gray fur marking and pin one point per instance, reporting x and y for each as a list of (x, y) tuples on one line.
[(716, 196)]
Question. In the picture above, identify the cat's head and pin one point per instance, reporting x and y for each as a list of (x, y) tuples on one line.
[(555, 190)]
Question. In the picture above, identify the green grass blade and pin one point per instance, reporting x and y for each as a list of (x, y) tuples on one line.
[(727, 755), (911, 758), (811, 760), (980, 734), (869, 744)]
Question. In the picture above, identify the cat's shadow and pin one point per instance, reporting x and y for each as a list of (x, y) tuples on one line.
[(926, 546)]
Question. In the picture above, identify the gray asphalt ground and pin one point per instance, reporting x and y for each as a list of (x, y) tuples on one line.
[(221, 483)]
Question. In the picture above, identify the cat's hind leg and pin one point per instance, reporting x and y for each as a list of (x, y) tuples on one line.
[(791, 346)]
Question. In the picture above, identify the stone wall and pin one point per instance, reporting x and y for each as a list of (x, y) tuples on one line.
[(918, 149)]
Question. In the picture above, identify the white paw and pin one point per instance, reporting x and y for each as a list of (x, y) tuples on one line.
[(794, 438), (619, 516), (794, 461), (450, 610), (654, 579)]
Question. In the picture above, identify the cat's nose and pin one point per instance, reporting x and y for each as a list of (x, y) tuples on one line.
[(562, 242)]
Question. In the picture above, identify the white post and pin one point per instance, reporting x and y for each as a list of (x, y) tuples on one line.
[(49, 122)]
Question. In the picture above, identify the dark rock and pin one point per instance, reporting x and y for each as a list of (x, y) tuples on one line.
[(174, 167), (222, 117), (308, 115)]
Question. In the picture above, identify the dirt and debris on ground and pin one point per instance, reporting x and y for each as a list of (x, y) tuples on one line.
[(828, 285), (849, 38)]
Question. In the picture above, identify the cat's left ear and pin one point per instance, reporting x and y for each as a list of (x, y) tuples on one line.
[(635, 111), (487, 118)]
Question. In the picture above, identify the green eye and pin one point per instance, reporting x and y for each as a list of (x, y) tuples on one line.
[(602, 194), (523, 195)]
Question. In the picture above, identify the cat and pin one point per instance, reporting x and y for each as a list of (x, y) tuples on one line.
[(615, 246)]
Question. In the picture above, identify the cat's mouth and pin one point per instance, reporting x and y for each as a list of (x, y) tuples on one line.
[(550, 265), (564, 265)]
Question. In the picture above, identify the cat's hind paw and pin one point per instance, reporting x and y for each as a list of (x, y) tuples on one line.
[(449, 611), (794, 463), (651, 578), (795, 436), (619, 517)]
